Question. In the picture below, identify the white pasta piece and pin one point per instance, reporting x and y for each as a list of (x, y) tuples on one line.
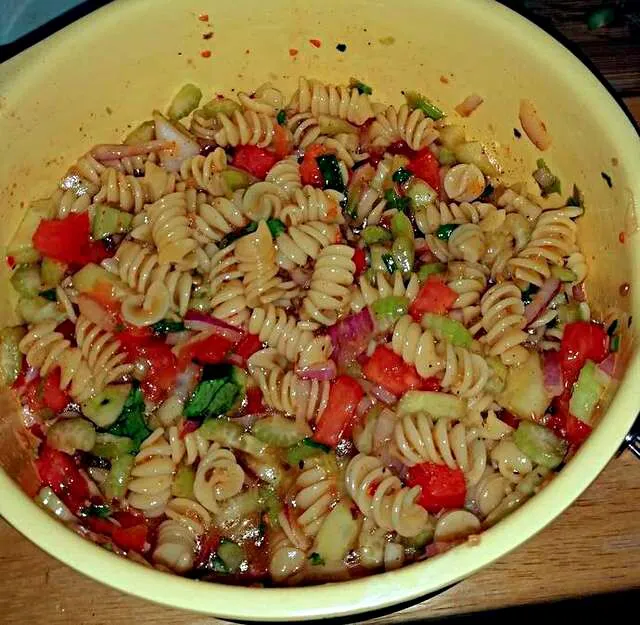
[(416, 346), (300, 243), (384, 286), (286, 175), (286, 560), (456, 524), (310, 204), (147, 309), (126, 192), (218, 477), (413, 127), (464, 183)]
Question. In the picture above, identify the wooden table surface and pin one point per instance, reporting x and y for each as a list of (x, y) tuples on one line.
[(593, 548)]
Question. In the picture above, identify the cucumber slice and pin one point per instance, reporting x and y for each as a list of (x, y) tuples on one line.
[(446, 157), (422, 539), (540, 444), (421, 194), (10, 355), (38, 309), (563, 274), (26, 280), (71, 435), (448, 330), (21, 245), (239, 507), (272, 504), (451, 136), (404, 254), (525, 394), (236, 178), (111, 447), (86, 280), (377, 258), (229, 434), (498, 377), (587, 392), (184, 102), (52, 272), (232, 555), (183, 480), (473, 153), (337, 534), (306, 448), (105, 408), (146, 131), (401, 226), (278, 431), (220, 105), (115, 486), (335, 126), (438, 405), (108, 220), (375, 234), (430, 269), (391, 308)]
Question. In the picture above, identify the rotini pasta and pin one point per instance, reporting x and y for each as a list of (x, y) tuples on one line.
[(310, 204), (218, 477), (300, 243), (383, 286), (416, 346), (393, 125)]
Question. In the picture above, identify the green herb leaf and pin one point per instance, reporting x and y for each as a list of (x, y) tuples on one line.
[(389, 262), (375, 234), (354, 83), (230, 238), (445, 230), (399, 202), (330, 170), (316, 559), (401, 175), (528, 293), (281, 117), (614, 345), (548, 182), (217, 565), (276, 227), (99, 510), (198, 405), (416, 100), (49, 294), (166, 326), (131, 422)]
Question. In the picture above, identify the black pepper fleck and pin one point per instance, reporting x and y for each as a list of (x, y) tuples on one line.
[(341, 47), (516, 133), (207, 35), (607, 178)]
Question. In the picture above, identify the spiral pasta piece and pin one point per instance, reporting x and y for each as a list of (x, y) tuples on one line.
[(300, 243), (304, 129), (286, 175), (171, 232), (285, 559), (285, 334), (188, 448), (512, 463), (102, 352), (513, 201), (577, 263), (384, 286), (228, 300), (467, 242), (343, 102), (139, 268), (376, 550), (218, 477), (88, 168), (126, 192), (204, 171), (149, 308), (261, 200), (74, 200), (489, 492), (45, 349), (464, 183), (380, 495), (469, 281), (149, 488), (310, 204), (412, 127), (176, 544), (465, 374), (503, 320), (243, 128), (328, 292), (416, 346), (216, 219)]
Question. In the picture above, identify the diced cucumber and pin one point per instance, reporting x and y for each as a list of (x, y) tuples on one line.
[(229, 434), (451, 136), (86, 280), (404, 253), (111, 447), (563, 274), (146, 131), (568, 313), (306, 448), (38, 309), (182, 485), (108, 220), (21, 245), (473, 153), (115, 486), (421, 194), (337, 534), (587, 392), (438, 405), (392, 307), (26, 280), (71, 435), (498, 377), (525, 394), (239, 507), (184, 102), (335, 126), (236, 178), (52, 272), (540, 444), (430, 269), (232, 555), (105, 408), (10, 355), (266, 468), (401, 226), (447, 329), (375, 234), (220, 105), (446, 157), (271, 503), (54, 505), (416, 100), (278, 431), (377, 258)]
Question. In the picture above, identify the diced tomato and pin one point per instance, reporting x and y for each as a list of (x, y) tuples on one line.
[(100, 526), (442, 487), (133, 338), (58, 471), (133, 538), (434, 297), (11, 261), (129, 518), (510, 419), (209, 351), (388, 369), (248, 346), (162, 370), (257, 161), (33, 396), (309, 169), (336, 421), (577, 431), (188, 426), (281, 143), (68, 329), (402, 149), (254, 403), (54, 397), (425, 165), (360, 261), (564, 424), (581, 341)]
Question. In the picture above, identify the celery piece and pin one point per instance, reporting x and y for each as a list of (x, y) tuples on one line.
[(111, 447), (380, 259), (232, 555), (403, 252), (416, 100), (115, 485), (332, 126), (86, 280), (473, 153), (401, 226), (184, 102), (105, 408), (540, 444), (52, 272), (220, 105), (236, 178), (71, 435), (38, 309), (429, 269), (26, 280), (448, 330), (438, 405), (108, 220), (591, 384), (446, 157), (392, 307), (10, 355), (182, 485), (278, 431), (375, 234), (271, 504)]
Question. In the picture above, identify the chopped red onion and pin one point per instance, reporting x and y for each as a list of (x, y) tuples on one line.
[(366, 403), (111, 152), (552, 372), (384, 429), (186, 382), (350, 337), (377, 391), (608, 365), (31, 374), (182, 145), (579, 293), (321, 371), (247, 420), (175, 338), (541, 300), (457, 315), (195, 320), (389, 459)]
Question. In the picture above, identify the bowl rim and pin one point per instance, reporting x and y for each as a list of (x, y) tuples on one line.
[(408, 583)]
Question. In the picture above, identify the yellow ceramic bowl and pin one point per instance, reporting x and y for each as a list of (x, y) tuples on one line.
[(88, 83)]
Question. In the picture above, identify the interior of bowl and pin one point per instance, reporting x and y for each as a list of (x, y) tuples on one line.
[(97, 79)]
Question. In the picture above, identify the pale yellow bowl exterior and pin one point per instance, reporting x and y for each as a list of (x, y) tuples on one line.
[(89, 82)]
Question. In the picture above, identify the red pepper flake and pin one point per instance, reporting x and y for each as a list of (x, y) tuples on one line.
[(11, 261), (444, 80), (293, 51), (315, 42), (621, 237), (203, 17), (205, 54)]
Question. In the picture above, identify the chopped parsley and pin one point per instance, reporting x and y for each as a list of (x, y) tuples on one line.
[(49, 294), (401, 175), (611, 330), (330, 170), (445, 231), (100, 510), (354, 83), (516, 133), (316, 559), (131, 422), (276, 227), (614, 346), (389, 262), (528, 293), (166, 326), (416, 100), (281, 118), (396, 201)]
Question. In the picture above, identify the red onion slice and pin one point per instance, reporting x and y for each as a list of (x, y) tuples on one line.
[(384, 429), (579, 293), (608, 365), (350, 337), (541, 300), (321, 371), (377, 391), (366, 403), (552, 372), (195, 320), (247, 420)]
